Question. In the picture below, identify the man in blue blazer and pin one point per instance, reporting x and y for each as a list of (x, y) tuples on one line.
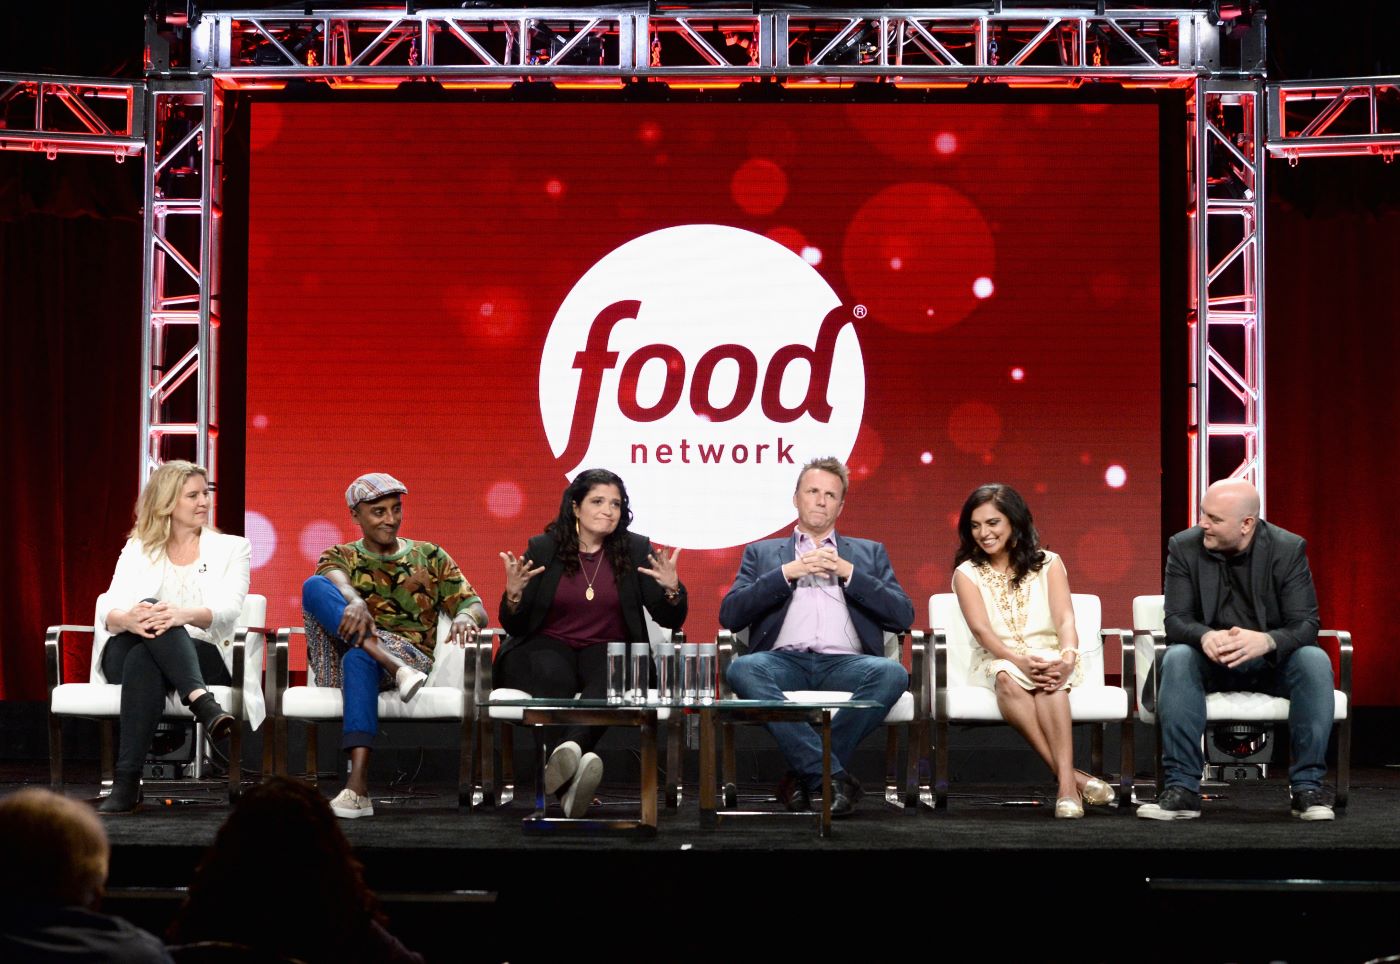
[(817, 607), (1241, 614)]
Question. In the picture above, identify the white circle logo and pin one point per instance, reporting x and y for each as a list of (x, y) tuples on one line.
[(703, 364)]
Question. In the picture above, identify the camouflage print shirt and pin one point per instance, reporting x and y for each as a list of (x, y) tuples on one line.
[(404, 591)]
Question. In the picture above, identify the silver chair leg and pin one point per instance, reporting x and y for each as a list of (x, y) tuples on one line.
[(235, 761), (940, 777), (106, 740), (892, 796), (313, 762), (55, 752), (465, 775), (1344, 762), (1126, 764)]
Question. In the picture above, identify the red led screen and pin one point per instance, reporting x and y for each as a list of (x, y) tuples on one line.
[(483, 298)]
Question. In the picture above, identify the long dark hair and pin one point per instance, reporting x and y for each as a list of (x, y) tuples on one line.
[(281, 877), (1025, 551), (564, 528)]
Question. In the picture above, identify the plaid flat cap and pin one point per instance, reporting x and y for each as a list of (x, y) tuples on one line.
[(371, 486)]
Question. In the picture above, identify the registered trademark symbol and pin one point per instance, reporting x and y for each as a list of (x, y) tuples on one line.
[(859, 311)]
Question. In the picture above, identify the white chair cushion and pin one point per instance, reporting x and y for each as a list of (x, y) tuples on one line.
[(327, 703), (506, 712), (104, 701), (1251, 708), (1087, 704)]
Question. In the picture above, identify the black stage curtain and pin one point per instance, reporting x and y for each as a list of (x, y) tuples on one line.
[(70, 337), (1333, 412)]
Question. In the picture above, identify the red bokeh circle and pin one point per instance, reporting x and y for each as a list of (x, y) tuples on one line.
[(941, 244), (759, 186)]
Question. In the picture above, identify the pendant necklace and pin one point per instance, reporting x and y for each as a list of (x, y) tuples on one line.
[(588, 593)]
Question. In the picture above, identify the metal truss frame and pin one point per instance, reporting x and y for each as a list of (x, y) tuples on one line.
[(173, 118), (1226, 298), (1335, 118), (455, 46), (72, 115), (179, 296)]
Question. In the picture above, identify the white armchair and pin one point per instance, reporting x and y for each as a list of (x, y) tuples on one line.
[(243, 697), (1150, 643), (448, 696), (960, 699)]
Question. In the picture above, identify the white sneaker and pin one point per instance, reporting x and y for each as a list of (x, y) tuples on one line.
[(409, 681), (350, 805), (562, 765), (579, 796)]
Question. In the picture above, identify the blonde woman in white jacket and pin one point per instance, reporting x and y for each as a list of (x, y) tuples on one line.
[(176, 594)]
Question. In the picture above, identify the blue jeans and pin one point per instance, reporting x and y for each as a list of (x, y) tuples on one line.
[(360, 674), (1304, 679), (765, 675)]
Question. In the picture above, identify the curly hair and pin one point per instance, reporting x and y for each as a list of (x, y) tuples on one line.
[(280, 877), (1024, 544), (564, 527)]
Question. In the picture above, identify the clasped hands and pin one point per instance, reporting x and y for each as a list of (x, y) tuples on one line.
[(823, 561), (149, 620), (1234, 647), (1049, 674)]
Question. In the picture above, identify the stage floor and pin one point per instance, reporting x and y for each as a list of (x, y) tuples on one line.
[(1245, 882)]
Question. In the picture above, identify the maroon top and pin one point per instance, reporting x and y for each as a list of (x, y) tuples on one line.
[(579, 621)]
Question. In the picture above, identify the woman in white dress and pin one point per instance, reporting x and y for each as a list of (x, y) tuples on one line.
[(1015, 598), (166, 620)]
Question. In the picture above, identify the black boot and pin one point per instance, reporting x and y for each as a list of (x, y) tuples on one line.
[(125, 795), (216, 722)]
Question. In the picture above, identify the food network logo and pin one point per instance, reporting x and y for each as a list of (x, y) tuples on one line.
[(704, 364)]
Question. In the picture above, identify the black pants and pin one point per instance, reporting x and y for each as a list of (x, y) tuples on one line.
[(544, 666), (147, 670)]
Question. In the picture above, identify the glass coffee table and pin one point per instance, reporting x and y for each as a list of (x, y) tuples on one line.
[(727, 713), (647, 718)]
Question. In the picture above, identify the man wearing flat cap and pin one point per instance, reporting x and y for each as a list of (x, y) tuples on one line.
[(371, 615)]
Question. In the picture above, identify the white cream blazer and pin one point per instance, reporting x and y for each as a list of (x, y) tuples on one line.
[(222, 572)]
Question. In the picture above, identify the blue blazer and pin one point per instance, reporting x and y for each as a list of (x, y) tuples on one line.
[(760, 596)]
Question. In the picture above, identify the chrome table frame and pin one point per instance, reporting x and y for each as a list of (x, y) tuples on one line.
[(555, 712), (730, 712)]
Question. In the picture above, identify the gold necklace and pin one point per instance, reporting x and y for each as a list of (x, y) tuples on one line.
[(588, 593), (1012, 603)]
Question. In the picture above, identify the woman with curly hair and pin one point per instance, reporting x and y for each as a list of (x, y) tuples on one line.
[(1015, 598), (581, 584)]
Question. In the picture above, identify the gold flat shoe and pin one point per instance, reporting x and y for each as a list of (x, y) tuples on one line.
[(1097, 793), (1068, 808)]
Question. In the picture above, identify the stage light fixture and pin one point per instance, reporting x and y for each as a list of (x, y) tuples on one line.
[(546, 45), (1239, 751), (300, 44)]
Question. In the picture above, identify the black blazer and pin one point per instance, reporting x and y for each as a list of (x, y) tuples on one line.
[(634, 589), (1285, 602)]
